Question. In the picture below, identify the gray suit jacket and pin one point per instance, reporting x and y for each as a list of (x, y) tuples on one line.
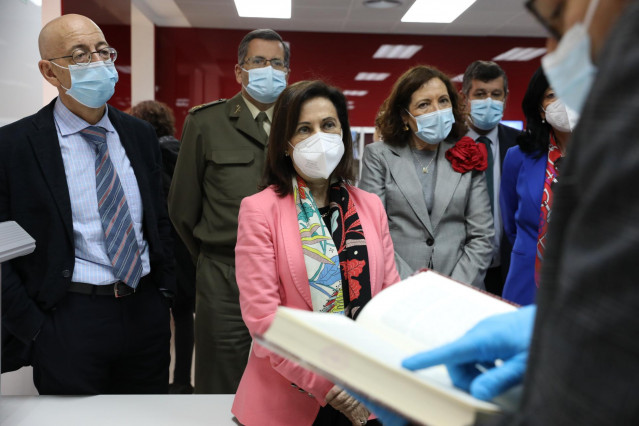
[(456, 239)]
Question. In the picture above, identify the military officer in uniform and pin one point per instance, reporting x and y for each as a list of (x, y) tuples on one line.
[(221, 162)]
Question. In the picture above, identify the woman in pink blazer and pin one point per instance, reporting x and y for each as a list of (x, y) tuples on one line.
[(310, 241)]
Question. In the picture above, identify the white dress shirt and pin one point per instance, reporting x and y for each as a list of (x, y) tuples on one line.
[(92, 263)]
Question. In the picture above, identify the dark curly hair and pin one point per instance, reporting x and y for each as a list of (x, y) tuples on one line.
[(279, 169), (535, 138), (158, 114), (389, 120)]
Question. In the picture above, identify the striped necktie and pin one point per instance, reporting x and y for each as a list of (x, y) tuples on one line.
[(121, 245)]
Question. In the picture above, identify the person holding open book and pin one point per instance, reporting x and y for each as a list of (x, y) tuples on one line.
[(430, 179), (312, 241), (579, 362)]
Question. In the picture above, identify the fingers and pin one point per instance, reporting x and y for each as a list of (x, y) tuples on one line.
[(359, 415), (344, 402), (460, 351), (499, 379), (335, 390)]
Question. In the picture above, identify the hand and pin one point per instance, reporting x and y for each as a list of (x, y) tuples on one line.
[(505, 337), (387, 417), (340, 400)]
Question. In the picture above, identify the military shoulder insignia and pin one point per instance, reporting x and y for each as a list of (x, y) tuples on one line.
[(199, 107)]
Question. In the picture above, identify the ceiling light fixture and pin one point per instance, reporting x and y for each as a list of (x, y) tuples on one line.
[(396, 51), (372, 76), (436, 11), (264, 9), (382, 4), (520, 54)]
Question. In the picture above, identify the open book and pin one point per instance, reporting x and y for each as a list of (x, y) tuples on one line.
[(422, 312)]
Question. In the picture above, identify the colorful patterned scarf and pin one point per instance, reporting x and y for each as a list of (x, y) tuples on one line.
[(333, 256), (551, 177)]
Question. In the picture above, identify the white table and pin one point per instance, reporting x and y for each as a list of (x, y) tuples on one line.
[(120, 410)]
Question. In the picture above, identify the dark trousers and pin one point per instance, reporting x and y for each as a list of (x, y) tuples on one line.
[(102, 345), (329, 416), (494, 280), (222, 341)]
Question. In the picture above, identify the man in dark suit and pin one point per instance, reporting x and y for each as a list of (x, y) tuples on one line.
[(88, 309), (221, 161), (485, 90)]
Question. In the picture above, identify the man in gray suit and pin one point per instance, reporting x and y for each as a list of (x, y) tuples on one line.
[(221, 162), (485, 90)]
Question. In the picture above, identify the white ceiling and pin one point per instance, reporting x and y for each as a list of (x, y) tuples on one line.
[(483, 18)]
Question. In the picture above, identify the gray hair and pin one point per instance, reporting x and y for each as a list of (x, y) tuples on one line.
[(263, 34), (483, 71)]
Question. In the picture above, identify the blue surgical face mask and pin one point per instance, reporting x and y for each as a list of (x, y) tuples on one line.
[(435, 126), (92, 85), (569, 69), (486, 113), (265, 84)]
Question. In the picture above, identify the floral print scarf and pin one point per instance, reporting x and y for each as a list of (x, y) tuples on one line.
[(333, 256)]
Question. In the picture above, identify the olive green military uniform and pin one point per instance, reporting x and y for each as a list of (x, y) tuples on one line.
[(220, 162)]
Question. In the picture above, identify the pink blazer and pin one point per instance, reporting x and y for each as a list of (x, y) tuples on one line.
[(270, 272)]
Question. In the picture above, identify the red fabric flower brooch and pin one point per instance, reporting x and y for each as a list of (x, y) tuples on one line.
[(467, 155)]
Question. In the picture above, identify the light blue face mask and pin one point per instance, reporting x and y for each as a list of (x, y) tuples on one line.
[(569, 69), (265, 84), (435, 126), (486, 113), (92, 85)]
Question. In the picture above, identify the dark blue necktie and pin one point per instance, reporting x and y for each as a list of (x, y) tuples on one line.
[(121, 245), (489, 171)]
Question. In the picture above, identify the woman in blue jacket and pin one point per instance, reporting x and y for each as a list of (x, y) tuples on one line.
[(529, 172)]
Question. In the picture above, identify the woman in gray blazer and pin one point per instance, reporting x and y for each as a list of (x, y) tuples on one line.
[(438, 209)]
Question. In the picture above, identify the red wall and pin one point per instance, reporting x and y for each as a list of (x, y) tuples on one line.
[(195, 65)]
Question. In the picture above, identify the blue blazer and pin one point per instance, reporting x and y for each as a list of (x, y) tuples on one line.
[(522, 185)]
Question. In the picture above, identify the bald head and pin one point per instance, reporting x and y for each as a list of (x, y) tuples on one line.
[(57, 37)]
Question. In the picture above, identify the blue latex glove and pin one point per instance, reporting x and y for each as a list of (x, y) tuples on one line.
[(505, 336), (387, 417)]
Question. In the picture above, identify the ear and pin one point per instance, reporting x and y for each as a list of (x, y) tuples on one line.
[(238, 74), (465, 99), (404, 116), (46, 69), (551, 44)]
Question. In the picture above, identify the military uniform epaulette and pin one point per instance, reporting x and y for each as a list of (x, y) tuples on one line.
[(199, 107)]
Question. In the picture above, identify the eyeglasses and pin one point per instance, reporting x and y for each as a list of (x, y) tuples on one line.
[(82, 57), (546, 22), (260, 62)]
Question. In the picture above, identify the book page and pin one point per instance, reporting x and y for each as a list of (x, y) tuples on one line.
[(428, 310)]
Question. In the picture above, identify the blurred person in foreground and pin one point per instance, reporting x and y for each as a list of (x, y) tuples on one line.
[(310, 241), (531, 171), (581, 364), (161, 118), (431, 180)]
